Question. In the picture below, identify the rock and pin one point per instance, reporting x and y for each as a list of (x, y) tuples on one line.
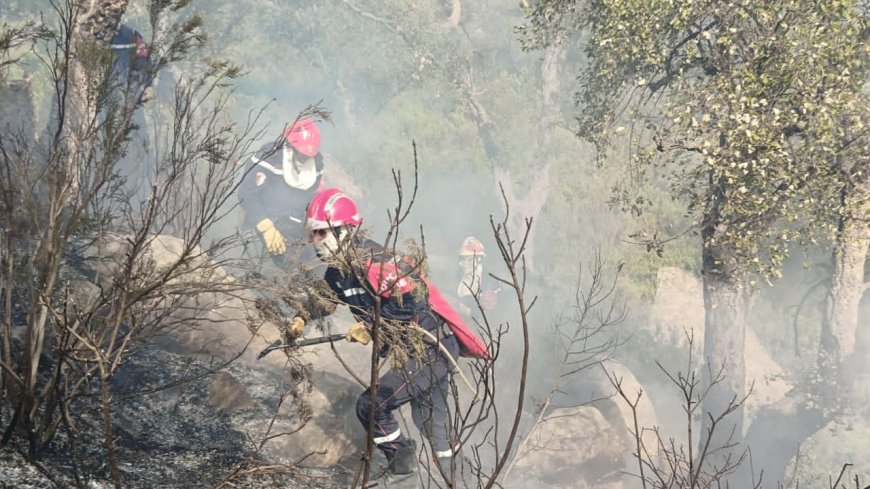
[(216, 327), (594, 389), (619, 414), (331, 435), (212, 323), (769, 381), (678, 309), (16, 111), (574, 448), (823, 455)]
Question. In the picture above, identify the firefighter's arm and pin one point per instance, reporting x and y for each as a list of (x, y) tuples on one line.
[(256, 194)]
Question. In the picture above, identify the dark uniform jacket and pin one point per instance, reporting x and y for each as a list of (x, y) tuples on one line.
[(265, 194), (133, 66), (402, 305)]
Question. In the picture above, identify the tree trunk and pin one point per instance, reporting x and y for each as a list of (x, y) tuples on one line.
[(106, 412), (91, 22), (726, 301), (837, 354), (529, 202), (780, 429)]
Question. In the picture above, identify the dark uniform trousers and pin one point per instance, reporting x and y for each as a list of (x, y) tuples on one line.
[(424, 382)]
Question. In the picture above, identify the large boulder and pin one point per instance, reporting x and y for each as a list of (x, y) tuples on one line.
[(572, 448), (823, 456), (621, 416), (769, 381), (16, 110), (678, 311), (595, 387)]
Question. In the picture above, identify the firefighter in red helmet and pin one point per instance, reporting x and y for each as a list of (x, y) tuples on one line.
[(474, 286), (279, 180), (412, 311)]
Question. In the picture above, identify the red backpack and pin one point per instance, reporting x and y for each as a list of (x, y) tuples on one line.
[(470, 345)]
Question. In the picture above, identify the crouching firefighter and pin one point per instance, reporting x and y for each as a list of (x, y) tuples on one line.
[(417, 326), (276, 184)]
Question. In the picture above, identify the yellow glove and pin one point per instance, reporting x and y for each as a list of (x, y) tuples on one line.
[(272, 237), (297, 326), (148, 94), (358, 334)]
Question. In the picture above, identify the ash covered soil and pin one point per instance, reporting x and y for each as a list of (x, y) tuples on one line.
[(166, 437)]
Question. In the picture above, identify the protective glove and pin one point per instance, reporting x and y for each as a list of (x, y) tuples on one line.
[(272, 237), (297, 326), (358, 334), (148, 94)]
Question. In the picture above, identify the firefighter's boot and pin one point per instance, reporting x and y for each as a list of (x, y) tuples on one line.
[(402, 473)]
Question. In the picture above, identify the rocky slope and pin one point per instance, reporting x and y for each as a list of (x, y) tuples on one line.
[(193, 434)]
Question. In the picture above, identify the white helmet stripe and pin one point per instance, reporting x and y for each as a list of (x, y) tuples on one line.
[(318, 224)]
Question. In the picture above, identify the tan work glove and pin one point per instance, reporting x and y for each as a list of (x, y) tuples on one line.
[(297, 327), (272, 237), (148, 94), (358, 334)]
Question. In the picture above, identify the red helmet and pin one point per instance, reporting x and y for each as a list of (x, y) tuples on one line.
[(331, 208), (304, 136), (471, 246)]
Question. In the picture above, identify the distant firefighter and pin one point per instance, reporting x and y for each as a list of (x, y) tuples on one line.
[(130, 83), (132, 80), (133, 69), (473, 284)]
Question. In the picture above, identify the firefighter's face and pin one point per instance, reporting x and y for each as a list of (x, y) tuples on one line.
[(316, 235), (326, 241), (469, 263)]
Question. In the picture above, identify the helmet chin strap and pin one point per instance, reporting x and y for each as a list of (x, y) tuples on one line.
[(287, 160)]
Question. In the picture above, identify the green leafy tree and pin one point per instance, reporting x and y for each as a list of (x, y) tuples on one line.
[(735, 104), (842, 208)]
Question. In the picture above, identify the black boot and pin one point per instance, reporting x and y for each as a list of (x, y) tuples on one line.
[(403, 469)]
